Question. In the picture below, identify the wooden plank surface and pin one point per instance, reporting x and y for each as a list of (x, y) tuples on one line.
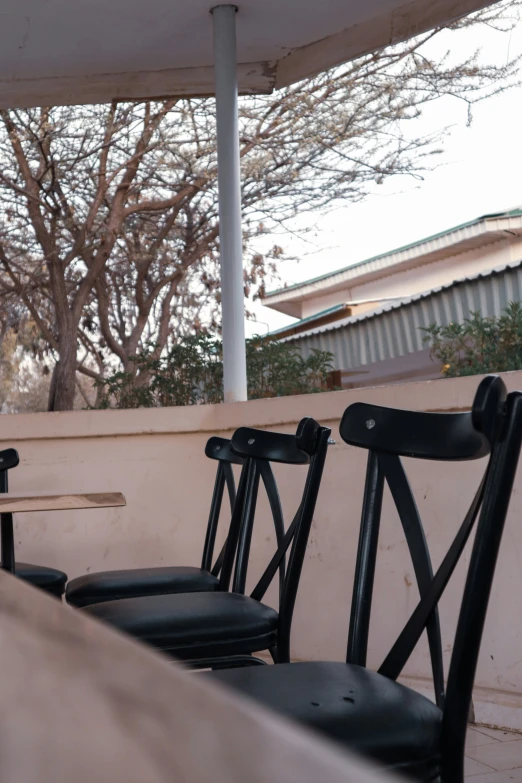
[(80, 702), (15, 504)]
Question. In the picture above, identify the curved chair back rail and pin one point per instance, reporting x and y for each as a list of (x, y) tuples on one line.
[(434, 436), (219, 449), (270, 446)]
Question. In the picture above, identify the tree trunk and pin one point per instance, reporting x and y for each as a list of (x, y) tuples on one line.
[(63, 381)]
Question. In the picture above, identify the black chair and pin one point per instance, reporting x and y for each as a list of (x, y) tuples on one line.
[(227, 628), (49, 579), (164, 580), (369, 711)]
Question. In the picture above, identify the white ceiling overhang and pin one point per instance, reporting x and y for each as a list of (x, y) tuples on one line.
[(93, 51)]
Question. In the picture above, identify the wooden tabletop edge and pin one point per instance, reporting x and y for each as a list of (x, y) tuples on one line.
[(11, 503)]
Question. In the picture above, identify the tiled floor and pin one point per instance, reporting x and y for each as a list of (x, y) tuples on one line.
[(493, 756)]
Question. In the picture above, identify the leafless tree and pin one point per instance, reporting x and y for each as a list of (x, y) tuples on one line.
[(108, 218)]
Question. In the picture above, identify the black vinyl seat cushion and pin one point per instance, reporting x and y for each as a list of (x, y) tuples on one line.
[(364, 711), (133, 583), (194, 625), (49, 579)]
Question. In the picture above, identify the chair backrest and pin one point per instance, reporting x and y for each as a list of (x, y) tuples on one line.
[(258, 449), (493, 426), (388, 435), (8, 459), (220, 449)]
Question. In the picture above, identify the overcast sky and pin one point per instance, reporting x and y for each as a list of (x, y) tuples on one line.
[(479, 172)]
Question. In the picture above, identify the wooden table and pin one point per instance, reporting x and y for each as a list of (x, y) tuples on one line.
[(16, 504), (81, 702)]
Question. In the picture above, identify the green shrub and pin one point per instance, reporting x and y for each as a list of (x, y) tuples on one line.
[(191, 373), (478, 345)]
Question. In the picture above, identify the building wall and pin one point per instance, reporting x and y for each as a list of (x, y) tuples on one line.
[(421, 278), (155, 457), (372, 345)]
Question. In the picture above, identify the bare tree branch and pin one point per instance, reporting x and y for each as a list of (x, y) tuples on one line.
[(109, 214)]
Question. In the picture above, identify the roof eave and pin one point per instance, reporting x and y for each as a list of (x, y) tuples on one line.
[(390, 27), (394, 306), (489, 230)]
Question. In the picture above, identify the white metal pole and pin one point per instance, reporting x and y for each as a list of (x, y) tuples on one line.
[(229, 183)]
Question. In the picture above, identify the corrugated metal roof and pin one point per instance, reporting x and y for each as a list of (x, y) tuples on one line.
[(336, 312), (395, 329), (310, 319), (463, 236)]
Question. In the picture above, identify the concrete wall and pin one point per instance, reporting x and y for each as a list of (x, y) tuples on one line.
[(155, 457)]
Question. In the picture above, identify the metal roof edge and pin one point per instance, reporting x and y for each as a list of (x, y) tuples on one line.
[(353, 319), (516, 212), (310, 318)]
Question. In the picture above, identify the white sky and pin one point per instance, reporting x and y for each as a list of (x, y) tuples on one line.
[(479, 172)]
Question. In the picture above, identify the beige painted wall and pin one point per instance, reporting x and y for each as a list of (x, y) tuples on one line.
[(420, 278), (155, 457)]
